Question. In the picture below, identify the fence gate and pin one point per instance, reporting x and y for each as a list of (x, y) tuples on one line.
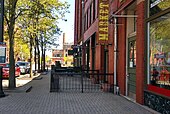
[(77, 82)]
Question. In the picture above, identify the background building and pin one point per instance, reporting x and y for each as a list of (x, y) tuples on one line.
[(65, 55)]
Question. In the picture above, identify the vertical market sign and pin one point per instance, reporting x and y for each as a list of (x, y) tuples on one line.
[(2, 52), (103, 20)]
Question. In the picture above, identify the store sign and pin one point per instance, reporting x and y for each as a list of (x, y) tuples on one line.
[(103, 20), (2, 52)]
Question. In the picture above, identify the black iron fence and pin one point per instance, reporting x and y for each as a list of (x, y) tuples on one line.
[(75, 79)]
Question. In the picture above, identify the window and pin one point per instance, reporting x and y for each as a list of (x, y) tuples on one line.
[(159, 62), (94, 9), (132, 53), (135, 22), (90, 19), (57, 55), (87, 18), (157, 6)]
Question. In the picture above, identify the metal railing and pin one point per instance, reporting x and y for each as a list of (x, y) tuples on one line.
[(73, 79)]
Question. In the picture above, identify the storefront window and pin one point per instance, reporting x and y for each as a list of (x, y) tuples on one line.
[(158, 5), (160, 51)]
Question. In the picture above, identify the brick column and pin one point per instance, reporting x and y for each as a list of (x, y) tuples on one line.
[(121, 64), (140, 48)]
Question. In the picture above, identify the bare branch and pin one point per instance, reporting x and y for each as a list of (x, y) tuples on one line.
[(7, 20), (18, 14)]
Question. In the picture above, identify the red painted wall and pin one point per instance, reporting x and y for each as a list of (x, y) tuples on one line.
[(158, 90)]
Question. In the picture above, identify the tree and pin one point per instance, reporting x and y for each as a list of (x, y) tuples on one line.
[(24, 10), (10, 17)]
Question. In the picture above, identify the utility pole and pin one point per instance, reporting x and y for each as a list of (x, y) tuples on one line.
[(1, 42)]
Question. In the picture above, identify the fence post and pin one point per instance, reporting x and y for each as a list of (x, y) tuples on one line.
[(57, 83), (51, 81), (98, 77), (82, 81)]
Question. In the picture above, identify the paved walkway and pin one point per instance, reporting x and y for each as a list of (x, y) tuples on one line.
[(40, 101)]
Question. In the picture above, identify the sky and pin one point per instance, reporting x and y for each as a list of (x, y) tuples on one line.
[(68, 26)]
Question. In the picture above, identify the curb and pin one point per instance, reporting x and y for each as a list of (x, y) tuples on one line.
[(23, 89)]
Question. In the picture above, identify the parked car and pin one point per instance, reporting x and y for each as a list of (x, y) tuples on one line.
[(5, 70), (24, 66)]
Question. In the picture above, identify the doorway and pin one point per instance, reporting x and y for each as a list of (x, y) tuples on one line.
[(131, 69)]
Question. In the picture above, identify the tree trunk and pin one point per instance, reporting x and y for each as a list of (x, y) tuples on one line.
[(41, 52), (31, 46), (35, 57), (42, 55), (12, 81), (38, 49), (44, 59), (11, 26), (41, 58)]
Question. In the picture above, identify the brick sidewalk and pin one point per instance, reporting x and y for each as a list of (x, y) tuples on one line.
[(40, 101)]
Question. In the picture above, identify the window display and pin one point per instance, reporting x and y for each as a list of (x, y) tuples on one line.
[(160, 51)]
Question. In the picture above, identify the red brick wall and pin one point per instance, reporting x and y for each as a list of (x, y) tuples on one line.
[(111, 49), (116, 6), (78, 22), (140, 53), (121, 55), (98, 57), (91, 30)]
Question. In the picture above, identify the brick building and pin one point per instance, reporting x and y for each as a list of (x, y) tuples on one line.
[(126, 37), (63, 55)]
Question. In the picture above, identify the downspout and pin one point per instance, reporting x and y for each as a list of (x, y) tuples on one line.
[(115, 56)]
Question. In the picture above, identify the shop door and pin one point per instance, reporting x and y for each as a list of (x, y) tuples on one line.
[(131, 68)]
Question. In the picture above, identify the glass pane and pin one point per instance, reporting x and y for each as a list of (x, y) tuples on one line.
[(160, 51), (132, 53), (158, 5)]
